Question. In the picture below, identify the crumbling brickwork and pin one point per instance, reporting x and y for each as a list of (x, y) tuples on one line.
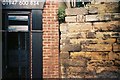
[(90, 41)]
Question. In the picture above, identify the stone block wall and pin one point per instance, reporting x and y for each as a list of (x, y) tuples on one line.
[(90, 42)]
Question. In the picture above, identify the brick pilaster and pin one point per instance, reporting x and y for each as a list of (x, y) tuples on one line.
[(50, 40)]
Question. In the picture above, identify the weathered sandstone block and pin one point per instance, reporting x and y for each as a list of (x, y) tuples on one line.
[(75, 11)]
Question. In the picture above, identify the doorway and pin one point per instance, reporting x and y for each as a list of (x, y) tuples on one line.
[(22, 44), (17, 55), (16, 45)]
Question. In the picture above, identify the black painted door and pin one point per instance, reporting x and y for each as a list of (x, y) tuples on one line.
[(16, 45), (17, 55), (22, 44)]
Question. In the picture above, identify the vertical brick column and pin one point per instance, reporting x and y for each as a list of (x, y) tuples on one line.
[(50, 40)]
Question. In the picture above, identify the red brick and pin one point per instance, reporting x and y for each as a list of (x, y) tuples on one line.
[(50, 41)]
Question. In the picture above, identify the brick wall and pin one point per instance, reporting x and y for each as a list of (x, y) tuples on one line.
[(89, 43), (50, 40)]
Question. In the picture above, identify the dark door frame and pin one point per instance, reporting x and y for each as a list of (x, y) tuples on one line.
[(0, 40), (36, 30), (36, 46), (4, 39)]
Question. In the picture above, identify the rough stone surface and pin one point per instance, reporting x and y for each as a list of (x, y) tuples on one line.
[(107, 41), (78, 63), (109, 7), (77, 55), (80, 18), (106, 35), (63, 28), (118, 40), (97, 55), (91, 35), (79, 27), (76, 35), (102, 17), (70, 47), (71, 19), (82, 41), (65, 55), (76, 69), (75, 11), (96, 47), (116, 47), (90, 41), (92, 18), (107, 26), (93, 10)]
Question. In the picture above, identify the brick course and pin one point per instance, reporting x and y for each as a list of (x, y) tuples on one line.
[(50, 40)]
